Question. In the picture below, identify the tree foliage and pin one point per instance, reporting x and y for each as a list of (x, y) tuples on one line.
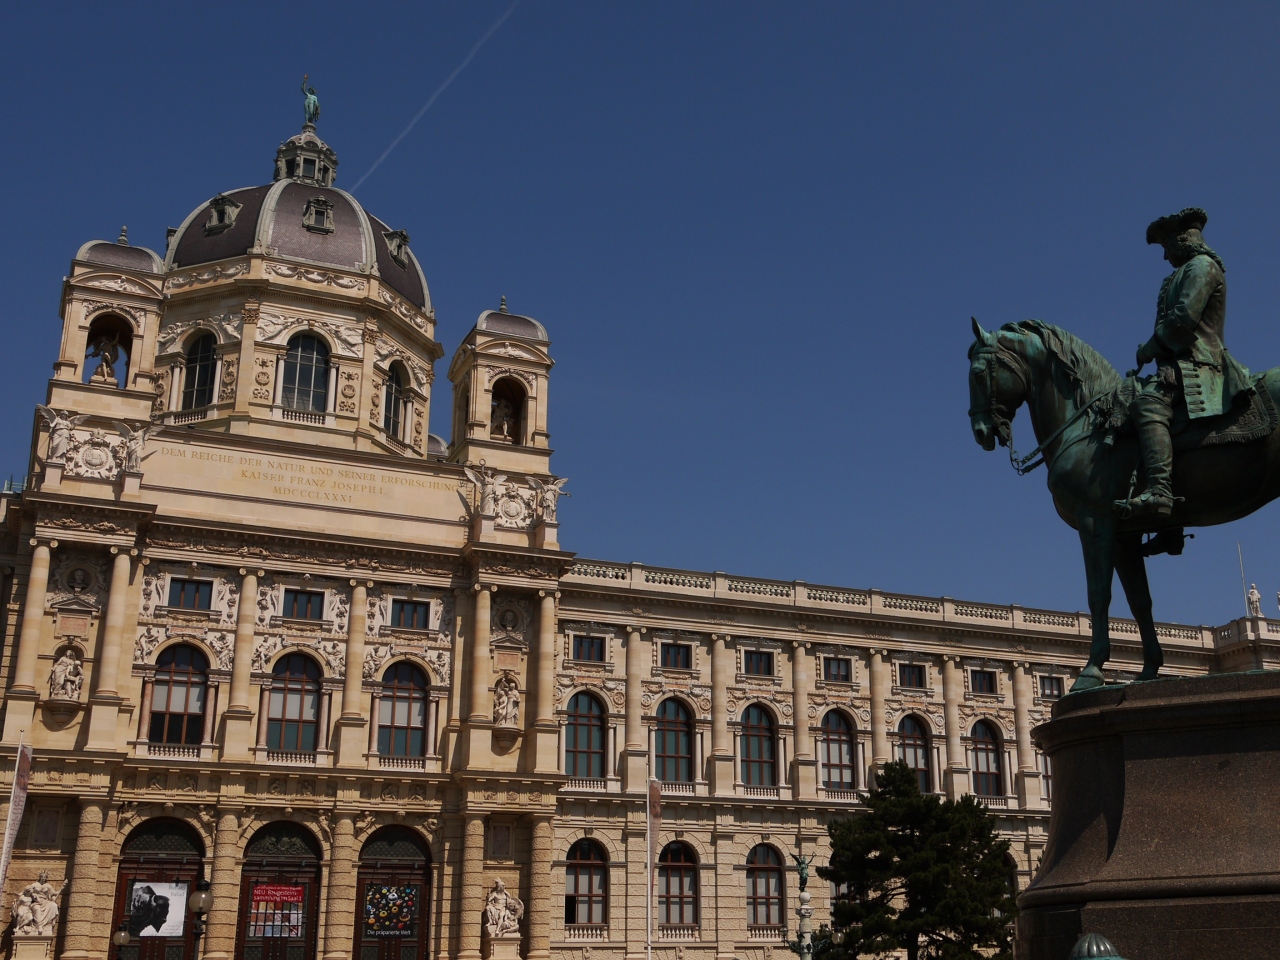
[(923, 875)]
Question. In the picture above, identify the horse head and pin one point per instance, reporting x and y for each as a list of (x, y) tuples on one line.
[(997, 388)]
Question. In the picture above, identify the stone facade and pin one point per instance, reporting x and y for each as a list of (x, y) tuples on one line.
[(291, 644)]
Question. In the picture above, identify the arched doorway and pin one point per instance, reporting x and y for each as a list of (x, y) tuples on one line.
[(279, 895), (392, 895), (160, 864)]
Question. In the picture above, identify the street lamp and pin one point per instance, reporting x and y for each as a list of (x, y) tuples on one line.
[(121, 937), (200, 902)]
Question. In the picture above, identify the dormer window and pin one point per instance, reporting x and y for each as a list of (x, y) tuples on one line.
[(309, 168), (222, 214), (318, 217), (398, 244)]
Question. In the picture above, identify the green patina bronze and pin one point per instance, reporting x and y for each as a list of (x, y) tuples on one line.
[(310, 102), (1104, 437)]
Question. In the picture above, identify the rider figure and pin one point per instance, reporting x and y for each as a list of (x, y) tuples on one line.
[(1191, 360)]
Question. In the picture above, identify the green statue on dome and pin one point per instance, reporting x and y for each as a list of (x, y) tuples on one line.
[(310, 103)]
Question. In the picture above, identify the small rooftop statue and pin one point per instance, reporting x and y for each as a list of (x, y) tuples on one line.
[(1094, 946), (310, 102)]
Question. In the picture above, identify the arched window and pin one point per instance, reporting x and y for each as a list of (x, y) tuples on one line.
[(586, 884), (393, 404), (108, 349), (294, 705), (506, 421), (759, 768), (764, 887), (677, 885), (584, 738), (202, 363), (402, 712), (306, 374), (674, 743), (837, 752), (913, 748), (177, 696), (987, 779)]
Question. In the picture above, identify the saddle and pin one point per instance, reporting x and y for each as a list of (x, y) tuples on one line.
[(1252, 417)]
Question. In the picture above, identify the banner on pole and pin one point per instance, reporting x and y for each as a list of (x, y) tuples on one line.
[(17, 804)]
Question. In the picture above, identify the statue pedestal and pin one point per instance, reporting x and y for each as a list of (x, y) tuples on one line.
[(506, 947), (1165, 831), (31, 947)]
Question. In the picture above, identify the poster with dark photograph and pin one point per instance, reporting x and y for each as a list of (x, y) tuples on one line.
[(157, 909), (390, 910)]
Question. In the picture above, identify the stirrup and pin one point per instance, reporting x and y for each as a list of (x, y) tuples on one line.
[(1150, 503)]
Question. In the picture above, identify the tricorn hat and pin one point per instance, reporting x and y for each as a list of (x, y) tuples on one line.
[(1166, 228)]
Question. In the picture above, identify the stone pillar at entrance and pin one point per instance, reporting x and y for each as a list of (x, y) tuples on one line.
[(804, 778), (878, 673), (351, 738), (545, 730), (471, 896), (104, 705), (721, 767), (957, 773), (80, 943), (540, 890), (635, 754), (21, 703), (224, 884), (340, 908), (237, 731), (1028, 782)]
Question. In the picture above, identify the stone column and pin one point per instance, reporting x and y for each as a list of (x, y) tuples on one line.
[(720, 773), (956, 781), (878, 674), (224, 884), (478, 707), (351, 738), (545, 732), (238, 723), (21, 705), (104, 706), (539, 947), (635, 752), (804, 777), (457, 669), (471, 896), (80, 903), (339, 924), (1027, 785)]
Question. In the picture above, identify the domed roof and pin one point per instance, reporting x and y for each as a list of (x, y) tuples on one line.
[(120, 255), (301, 217), (436, 447), (511, 324)]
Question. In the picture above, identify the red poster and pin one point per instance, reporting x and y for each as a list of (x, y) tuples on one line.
[(277, 893)]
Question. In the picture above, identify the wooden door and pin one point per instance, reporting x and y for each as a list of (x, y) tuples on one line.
[(391, 911), (279, 910)]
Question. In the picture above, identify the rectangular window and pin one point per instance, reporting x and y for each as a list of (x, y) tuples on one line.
[(190, 594), (757, 663), (308, 167), (837, 670), (1050, 688), (303, 605), (982, 681), (588, 648), (410, 614), (911, 675), (1047, 767), (677, 656)]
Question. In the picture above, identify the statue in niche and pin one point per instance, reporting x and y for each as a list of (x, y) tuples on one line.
[(134, 443), (35, 911), (66, 679), (1254, 601), (549, 495), (502, 912), (78, 581), (506, 701), (504, 420), (107, 350), (61, 424)]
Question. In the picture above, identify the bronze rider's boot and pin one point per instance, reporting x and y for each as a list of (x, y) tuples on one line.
[(1152, 415)]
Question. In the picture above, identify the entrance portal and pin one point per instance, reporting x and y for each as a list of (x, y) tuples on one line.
[(160, 864), (279, 895), (394, 889)]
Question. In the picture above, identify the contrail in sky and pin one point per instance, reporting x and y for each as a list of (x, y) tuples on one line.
[(439, 90)]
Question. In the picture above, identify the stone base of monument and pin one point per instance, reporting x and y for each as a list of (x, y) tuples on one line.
[(1165, 831), (31, 947), (502, 948)]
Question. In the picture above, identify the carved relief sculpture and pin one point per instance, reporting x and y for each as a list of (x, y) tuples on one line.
[(135, 442), (35, 911), (502, 912), (506, 701), (93, 456), (60, 426), (66, 678), (549, 495), (489, 484)]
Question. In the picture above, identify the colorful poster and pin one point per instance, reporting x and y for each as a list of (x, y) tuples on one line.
[(17, 803), (390, 910), (157, 909), (277, 910)]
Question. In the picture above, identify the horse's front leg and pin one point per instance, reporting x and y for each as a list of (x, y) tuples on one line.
[(1132, 569), (1098, 538)]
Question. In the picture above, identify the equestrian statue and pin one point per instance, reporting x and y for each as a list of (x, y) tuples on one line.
[(1193, 444)]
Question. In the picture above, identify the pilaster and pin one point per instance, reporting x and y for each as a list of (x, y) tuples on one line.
[(635, 756), (104, 705), (78, 939), (238, 733)]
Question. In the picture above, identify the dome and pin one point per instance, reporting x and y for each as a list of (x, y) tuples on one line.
[(120, 255), (511, 324), (301, 216), (436, 447)]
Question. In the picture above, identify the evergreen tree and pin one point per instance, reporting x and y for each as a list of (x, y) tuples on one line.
[(923, 875)]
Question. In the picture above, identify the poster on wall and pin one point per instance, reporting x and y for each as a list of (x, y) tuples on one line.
[(277, 910), (390, 910), (157, 909)]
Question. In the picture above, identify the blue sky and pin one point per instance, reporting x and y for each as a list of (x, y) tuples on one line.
[(755, 232)]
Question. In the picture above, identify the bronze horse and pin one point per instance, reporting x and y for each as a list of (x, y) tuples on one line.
[(1058, 375)]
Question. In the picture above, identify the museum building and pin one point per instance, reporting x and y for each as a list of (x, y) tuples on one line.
[(266, 633)]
